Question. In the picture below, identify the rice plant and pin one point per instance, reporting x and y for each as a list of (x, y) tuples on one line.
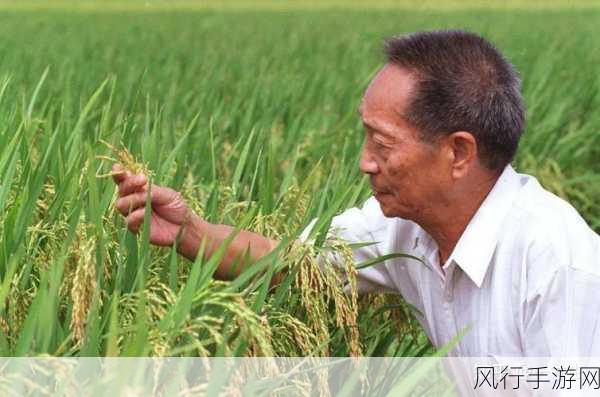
[(251, 115)]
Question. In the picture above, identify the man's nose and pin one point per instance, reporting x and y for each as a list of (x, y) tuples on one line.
[(368, 165)]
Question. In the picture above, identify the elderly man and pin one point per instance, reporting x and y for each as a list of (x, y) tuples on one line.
[(504, 258)]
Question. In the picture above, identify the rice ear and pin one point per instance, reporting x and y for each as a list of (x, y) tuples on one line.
[(124, 157), (84, 282)]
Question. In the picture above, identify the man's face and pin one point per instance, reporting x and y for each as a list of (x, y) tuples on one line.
[(408, 176)]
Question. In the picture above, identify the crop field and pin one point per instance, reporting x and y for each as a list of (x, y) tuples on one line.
[(250, 112)]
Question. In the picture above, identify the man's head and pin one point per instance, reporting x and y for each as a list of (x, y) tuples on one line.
[(444, 110)]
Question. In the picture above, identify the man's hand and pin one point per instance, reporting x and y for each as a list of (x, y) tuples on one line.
[(171, 218), (169, 211)]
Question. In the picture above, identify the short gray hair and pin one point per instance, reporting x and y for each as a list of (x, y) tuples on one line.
[(463, 84)]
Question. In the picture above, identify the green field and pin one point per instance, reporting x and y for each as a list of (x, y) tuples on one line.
[(251, 113)]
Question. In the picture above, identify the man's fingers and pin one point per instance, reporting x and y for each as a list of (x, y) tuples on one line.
[(128, 204), (164, 195), (135, 219), (119, 173), (132, 184), (160, 196), (128, 183)]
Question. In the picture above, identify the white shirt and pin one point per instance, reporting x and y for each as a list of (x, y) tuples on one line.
[(524, 275)]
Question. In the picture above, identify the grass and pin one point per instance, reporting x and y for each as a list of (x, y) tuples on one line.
[(252, 116)]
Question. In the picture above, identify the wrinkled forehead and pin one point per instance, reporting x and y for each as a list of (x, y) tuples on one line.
[(388, 93)]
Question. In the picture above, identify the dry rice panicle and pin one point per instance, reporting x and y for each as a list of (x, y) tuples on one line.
[(84, 281)]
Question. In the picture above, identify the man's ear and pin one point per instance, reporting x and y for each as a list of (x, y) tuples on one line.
[(462, 148)]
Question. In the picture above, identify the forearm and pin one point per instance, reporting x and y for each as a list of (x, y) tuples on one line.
[(244, 244)]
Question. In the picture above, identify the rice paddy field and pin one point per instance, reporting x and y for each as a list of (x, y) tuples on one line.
[(248, 109)]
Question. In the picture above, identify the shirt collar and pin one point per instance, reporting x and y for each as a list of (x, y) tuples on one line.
[(474, 250)]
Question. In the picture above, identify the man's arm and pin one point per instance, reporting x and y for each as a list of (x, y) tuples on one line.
[(171, 217), (561, 313), (244, 243)]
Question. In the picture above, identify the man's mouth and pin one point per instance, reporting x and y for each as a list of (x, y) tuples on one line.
[(378, 192)]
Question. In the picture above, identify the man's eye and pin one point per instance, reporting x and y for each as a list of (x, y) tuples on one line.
[(381, 145)]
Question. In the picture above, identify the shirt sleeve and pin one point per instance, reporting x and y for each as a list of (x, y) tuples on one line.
[(362, 225), (562, 315)]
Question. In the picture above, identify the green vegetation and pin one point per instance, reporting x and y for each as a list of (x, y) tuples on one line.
[(252, 116)]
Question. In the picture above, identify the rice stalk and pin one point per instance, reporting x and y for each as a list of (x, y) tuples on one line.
[(124, 157), (84, 282), (321, 280)]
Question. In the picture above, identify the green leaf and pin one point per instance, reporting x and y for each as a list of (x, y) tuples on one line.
[(386, 257)]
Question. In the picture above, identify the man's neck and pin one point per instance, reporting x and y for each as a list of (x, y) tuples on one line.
[(447, 223)]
